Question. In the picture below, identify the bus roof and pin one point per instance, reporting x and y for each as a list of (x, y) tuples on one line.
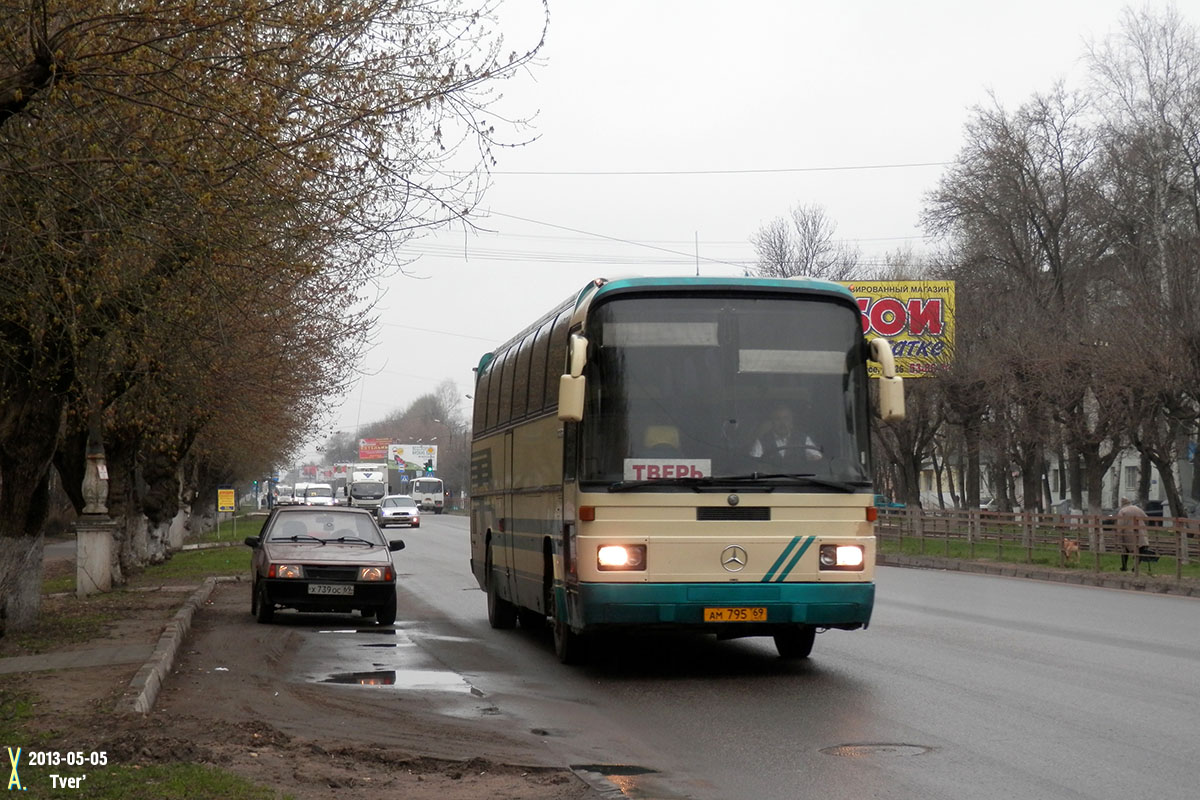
[(798, 285), (603, 286)]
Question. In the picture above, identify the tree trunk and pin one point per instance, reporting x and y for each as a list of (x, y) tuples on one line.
[(29, 429), (971, 434)]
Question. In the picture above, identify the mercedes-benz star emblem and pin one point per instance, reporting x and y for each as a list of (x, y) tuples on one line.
[(733, 558)]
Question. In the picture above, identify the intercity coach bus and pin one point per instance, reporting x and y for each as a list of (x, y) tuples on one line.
[(619, 477)]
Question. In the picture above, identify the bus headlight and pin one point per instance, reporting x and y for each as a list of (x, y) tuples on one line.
[(848, 557), (621, 556)]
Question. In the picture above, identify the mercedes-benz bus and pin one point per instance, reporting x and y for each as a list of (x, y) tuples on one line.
[(619, 478)]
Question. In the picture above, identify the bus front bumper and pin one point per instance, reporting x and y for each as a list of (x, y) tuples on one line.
[(822, 605)]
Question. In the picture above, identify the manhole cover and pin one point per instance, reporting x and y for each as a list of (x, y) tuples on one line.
[(877, 749)]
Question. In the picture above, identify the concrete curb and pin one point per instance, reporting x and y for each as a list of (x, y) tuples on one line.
[(143, 689), (1154, 584)]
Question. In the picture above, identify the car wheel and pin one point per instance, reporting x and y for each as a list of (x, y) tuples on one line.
[(367, 613), (254, 599), (795, 642), (501, 613), (266, 609), (386, 613)]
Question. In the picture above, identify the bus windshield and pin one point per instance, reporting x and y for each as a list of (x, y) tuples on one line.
[(427, 485), (731, 387)]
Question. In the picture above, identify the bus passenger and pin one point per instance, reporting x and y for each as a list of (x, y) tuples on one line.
[(661, 441)]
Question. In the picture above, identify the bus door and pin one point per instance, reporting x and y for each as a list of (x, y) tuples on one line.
[(505, 555)]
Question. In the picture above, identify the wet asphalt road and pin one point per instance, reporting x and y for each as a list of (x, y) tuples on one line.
[(965, 686)]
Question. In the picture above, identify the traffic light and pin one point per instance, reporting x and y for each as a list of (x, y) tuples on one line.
[(429, 466)]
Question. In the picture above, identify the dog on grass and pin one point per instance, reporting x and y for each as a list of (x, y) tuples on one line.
[(1069, 549)]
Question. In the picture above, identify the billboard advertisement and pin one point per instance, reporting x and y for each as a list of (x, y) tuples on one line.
[(917, 317), (373, 449), (412, 456)]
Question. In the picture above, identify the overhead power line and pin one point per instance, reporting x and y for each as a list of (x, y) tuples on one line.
[(765, 171)]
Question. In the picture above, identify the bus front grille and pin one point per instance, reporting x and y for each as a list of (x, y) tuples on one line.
[(720, 513)]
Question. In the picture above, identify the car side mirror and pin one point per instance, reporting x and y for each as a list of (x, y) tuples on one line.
[(252, 541), (396, 544)]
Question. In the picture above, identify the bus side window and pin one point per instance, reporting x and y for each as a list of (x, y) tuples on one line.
[(479, 422), (556, 362), (520, 401), (537, 369), (507, 368), (493, 409)]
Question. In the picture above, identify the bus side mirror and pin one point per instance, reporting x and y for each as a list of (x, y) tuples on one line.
[(891, 385), (571, 386), (578, 355), (570, 398)]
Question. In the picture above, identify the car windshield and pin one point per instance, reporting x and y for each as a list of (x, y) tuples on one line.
[(366, 489), (324, 527), (318, 491), (399, 502)]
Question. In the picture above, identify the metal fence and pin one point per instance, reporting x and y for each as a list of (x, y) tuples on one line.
[(1089, 541)]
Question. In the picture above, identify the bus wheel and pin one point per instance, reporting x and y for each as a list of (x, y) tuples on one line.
[(501, 613), (569, 646), (795, 642)]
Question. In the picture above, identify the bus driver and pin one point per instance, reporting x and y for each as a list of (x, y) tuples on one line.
[(779, 441)]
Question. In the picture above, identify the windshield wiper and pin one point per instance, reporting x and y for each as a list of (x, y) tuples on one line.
[(303, 537), (631, 486), (808, 478), (344, 539)]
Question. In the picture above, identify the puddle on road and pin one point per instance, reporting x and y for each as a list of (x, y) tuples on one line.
[(383, 677), (380, 631), (424, 679)]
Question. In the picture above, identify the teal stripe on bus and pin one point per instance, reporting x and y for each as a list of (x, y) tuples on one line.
[(782, 557), (795, 559)]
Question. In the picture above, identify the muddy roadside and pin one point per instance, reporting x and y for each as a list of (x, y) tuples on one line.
[(231, 701)]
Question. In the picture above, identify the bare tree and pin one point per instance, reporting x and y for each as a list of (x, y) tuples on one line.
[(803, 246), (229, 174), (1148, 86)]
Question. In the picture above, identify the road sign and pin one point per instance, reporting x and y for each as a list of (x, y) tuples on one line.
[(225, 499)]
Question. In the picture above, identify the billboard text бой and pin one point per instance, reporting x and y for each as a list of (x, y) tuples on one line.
[(917, 317)]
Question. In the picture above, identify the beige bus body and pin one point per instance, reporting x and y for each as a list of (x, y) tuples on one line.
[(736, 560)]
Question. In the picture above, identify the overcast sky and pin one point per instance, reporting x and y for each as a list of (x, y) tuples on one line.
[(733, 113)]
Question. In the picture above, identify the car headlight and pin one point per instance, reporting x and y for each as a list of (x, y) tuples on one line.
[(374, 573), (285, 571), (847, 557), (621, 557)]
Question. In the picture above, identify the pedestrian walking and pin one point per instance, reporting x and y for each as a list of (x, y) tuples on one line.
[(1131, 530)]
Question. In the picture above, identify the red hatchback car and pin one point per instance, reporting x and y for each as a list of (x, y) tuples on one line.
[(331, 559)]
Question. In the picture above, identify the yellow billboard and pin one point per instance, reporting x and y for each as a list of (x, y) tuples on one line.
[(917, 317)]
